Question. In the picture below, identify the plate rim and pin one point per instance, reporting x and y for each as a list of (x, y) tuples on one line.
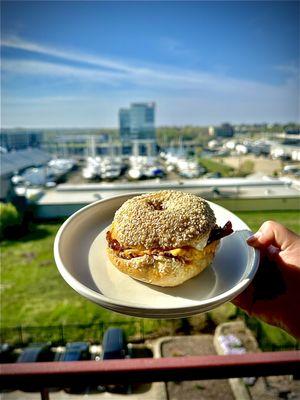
[(118, 305)]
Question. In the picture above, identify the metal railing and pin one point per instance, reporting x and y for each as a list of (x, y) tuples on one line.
[(61, 374)]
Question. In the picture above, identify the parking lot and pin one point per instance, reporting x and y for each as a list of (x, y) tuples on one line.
[(114, 346)]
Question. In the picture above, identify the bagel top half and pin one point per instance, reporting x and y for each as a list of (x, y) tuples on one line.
[(163, 220)]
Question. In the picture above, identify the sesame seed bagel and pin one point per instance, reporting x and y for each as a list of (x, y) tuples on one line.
[(161, 238), (166, 219)]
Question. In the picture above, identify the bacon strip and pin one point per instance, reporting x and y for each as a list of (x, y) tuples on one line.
[(218, 232), (113, 243)]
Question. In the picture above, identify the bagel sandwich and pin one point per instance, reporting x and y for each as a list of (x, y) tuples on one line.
[(164, 238)]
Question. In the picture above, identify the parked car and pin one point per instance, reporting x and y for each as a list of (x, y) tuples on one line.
[(36, 352), (114, 347), (75, 351), (114, 344), (213, 175), (292, 169)]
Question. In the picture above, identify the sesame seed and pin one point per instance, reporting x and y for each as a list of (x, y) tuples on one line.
[(162, 219)]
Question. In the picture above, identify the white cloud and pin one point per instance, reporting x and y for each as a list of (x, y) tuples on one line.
[(33, 67), (65, 54), (10, 100), (290, 69), (183, 96), (110, 71)]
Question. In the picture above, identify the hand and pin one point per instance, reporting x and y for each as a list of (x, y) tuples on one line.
[(274, 294)]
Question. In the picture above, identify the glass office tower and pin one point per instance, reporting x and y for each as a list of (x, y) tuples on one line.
[(142, 121), (137, 124)]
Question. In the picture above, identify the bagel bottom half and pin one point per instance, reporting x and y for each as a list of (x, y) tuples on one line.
[(160, 270)]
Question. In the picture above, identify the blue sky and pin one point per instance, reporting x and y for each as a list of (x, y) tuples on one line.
[(74, 64)]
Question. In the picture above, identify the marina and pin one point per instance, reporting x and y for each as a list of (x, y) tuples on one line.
[(57, 187), (239, 173)]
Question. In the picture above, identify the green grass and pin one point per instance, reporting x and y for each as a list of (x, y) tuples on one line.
[(214, 166), (269, 337), (291, 219), (275, 338), (210, 165), (33, 292)]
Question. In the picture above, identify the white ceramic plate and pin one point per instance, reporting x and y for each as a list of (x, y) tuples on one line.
[(80, 255)]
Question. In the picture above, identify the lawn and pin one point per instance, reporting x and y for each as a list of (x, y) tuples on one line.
[(33, 292), (214, 166), (217, 165), (291, 219)]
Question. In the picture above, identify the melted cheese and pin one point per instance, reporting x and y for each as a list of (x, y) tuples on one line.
[(191, 253), (188, 253)]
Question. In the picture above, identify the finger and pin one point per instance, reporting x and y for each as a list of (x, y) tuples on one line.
[(272, 233)]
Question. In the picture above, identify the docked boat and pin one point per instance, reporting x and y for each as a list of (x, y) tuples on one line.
[(136, 167), (186, 167), (111, 168), (54, 171), (145, 167), (58, 168), (189, 169), (35, 176), (92, 170)]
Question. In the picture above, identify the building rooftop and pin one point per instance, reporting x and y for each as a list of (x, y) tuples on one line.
[(232, 194), (14, 161)]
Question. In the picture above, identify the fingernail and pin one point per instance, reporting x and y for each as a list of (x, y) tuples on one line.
[(254, 237)]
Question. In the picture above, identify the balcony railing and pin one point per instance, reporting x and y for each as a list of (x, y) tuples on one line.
[(62, 374)]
